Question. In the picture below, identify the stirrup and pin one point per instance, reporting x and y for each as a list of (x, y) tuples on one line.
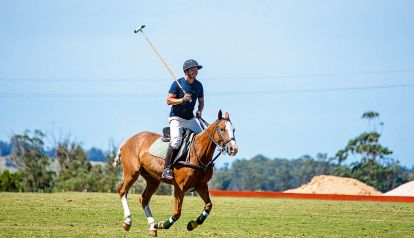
[(167, 174)]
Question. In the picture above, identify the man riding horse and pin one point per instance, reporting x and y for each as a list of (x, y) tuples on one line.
[(193, 173), (181, 114)]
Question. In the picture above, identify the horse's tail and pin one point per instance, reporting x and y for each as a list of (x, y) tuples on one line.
[(117, 159)]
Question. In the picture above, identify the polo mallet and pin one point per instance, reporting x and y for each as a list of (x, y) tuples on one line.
[(159, 56)]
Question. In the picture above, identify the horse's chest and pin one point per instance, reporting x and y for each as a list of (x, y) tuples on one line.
[(194, 179)]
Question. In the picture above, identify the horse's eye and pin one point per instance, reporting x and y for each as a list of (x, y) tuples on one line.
[(221, 129)]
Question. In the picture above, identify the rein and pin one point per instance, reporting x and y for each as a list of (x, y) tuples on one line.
[(220, 148)]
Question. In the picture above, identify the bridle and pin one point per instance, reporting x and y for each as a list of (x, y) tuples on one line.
[(221, 137), (221, 146)]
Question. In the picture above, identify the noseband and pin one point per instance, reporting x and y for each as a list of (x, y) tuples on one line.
[(221, 144), (221, 148), (221, 137)]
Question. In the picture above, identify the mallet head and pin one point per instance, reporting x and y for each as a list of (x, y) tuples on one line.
[(139, 29)]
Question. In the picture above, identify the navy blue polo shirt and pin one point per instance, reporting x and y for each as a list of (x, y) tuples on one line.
[(185, 110)]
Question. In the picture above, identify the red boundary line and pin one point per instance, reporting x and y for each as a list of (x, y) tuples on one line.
[(337, 197)]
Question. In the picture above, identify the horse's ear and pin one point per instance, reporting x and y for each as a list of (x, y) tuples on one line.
[(220, 115), (227, 117)]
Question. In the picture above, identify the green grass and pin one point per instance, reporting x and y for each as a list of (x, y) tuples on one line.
[(101, 215)]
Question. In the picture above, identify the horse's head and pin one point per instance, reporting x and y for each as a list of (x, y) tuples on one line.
[(225, 134)]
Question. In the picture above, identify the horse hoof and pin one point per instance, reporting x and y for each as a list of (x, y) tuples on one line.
[(191, 225), (152, 233), (126, 226)]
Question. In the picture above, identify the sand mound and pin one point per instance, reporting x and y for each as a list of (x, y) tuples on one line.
[(406, 189), (325, 184)]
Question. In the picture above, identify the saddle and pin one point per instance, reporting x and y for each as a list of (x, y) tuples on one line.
[(160, 146), (166, 135)]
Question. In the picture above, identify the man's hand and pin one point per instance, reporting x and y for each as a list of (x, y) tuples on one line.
[(198, 114), (187, 98)]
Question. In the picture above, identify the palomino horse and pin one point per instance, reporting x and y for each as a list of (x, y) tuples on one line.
[(136, 160)]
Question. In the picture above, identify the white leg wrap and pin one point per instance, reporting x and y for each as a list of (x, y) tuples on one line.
[(127, 220), (127, 212), (150, 220), (151, 223)]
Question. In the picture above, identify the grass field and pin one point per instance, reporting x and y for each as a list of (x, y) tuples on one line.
[(101, 215)]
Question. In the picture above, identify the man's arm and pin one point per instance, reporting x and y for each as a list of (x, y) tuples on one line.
[(200, 107), (172, 100)]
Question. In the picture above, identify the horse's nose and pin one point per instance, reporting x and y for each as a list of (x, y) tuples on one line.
[(233, 150)]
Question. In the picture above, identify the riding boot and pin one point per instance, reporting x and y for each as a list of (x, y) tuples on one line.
[(168, 172)]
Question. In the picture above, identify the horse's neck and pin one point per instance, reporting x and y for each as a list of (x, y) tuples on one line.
[(204, 145)]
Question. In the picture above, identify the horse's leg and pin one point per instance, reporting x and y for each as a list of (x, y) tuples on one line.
[(129, 180), (152, 186), (203, 192), (178, 202)]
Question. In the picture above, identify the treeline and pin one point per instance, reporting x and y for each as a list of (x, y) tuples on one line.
[(372, 165), (93, 154), (65, 167), (68, 170), (264, 174)]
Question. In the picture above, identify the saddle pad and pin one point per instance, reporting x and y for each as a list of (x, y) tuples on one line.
[(159, 148)]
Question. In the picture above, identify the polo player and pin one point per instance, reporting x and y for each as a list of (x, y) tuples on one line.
[(182, 107)]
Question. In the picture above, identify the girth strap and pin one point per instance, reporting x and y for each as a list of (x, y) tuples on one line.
[(188, 164)]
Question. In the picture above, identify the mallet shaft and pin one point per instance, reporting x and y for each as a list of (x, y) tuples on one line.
[(165, 64), (159, 56)]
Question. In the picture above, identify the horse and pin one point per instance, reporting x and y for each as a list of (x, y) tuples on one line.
[(136, 160)]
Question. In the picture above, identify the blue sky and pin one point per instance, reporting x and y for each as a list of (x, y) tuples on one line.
[(295, 76)]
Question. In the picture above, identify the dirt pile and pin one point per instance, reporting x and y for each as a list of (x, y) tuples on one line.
[(326, 184), (406, 189)]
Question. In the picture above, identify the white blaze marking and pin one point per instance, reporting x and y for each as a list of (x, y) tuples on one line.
[(230, 132), (229, 128)]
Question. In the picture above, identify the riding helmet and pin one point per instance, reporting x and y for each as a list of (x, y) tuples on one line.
[(191, 63)]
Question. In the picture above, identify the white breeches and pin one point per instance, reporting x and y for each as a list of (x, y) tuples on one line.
[(176, 126)]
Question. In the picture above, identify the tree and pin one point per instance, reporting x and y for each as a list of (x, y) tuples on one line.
[(365, 145), (104, 177), (30, 160), (374, 166), (78, 174), (74, 167), (11, 182)]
